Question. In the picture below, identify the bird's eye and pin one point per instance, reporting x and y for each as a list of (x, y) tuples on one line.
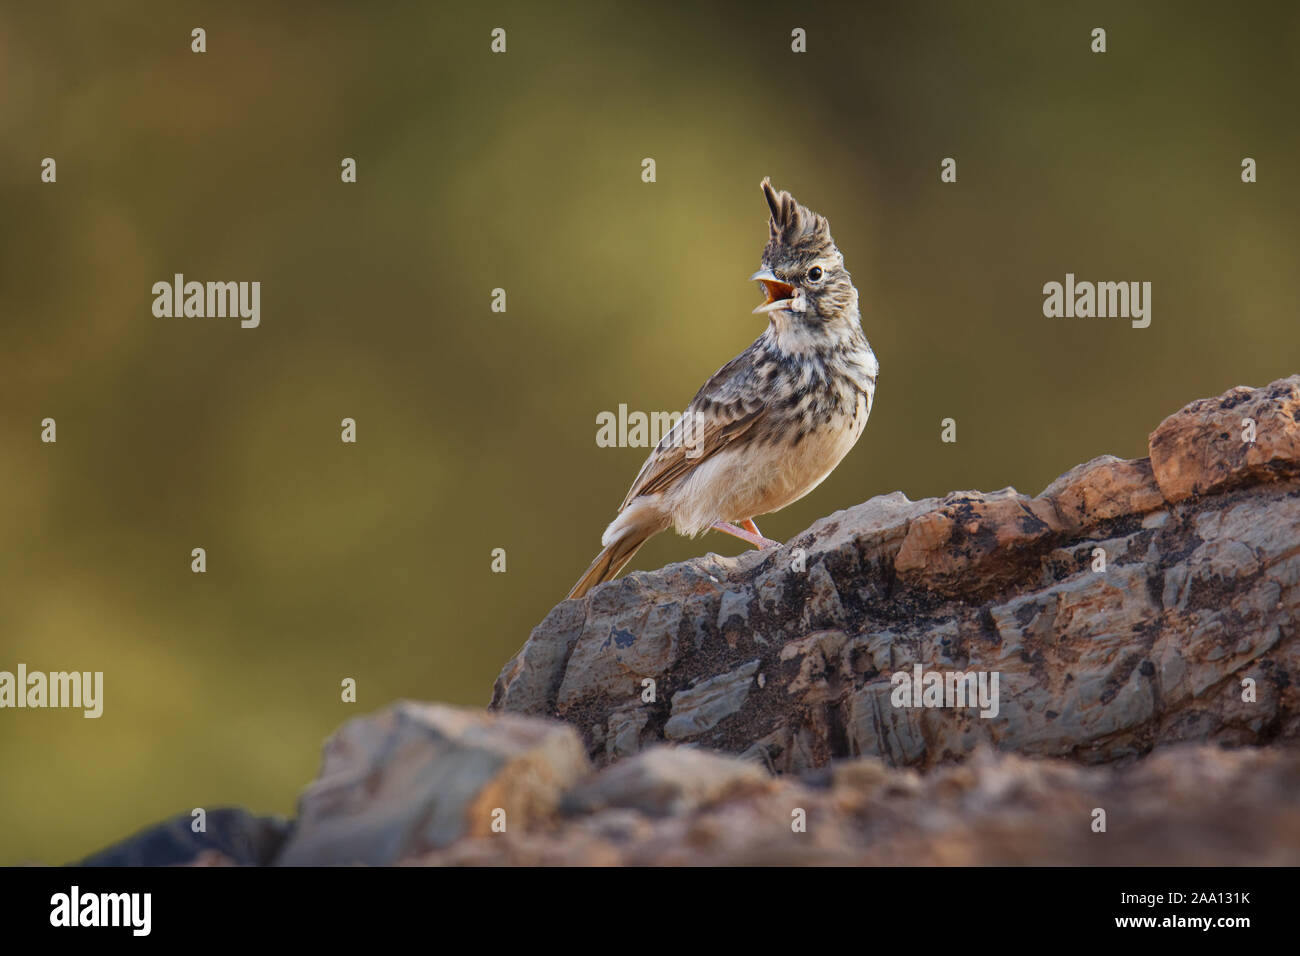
[(815, 274)]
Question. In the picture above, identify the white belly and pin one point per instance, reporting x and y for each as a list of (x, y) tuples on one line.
[(752, 480)]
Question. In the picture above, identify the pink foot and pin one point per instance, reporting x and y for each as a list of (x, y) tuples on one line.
[(752, 537)]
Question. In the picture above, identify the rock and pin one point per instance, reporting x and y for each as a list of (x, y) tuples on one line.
[(666, 781), (1132, 604), (1104, 488), (1202, 449), (625, 726), (421, 776), (955, 681), (232, 835), (704, 706), (1187, 805), (676, 805), (534, 674), (973, 542)]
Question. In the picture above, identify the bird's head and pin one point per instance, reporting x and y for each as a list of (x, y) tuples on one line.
[(803, 274)]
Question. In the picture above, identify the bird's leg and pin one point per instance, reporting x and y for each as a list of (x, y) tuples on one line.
[(749, 534), (748, 525)]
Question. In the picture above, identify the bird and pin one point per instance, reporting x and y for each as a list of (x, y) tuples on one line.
[(770, 425)]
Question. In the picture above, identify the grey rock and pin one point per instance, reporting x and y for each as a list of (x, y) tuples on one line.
[(625, 726), (704, 706), (419, 776)]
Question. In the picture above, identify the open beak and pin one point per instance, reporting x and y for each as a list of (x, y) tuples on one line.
[(779, 294)]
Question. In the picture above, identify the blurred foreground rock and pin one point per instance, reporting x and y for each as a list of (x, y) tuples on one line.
[(431, 785), (419, 776), (1188, 805), (1120, 610)]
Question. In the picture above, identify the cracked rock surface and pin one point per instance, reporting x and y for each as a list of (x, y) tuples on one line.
[(1130, 605)]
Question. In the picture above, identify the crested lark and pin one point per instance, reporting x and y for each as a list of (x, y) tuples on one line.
[(772, 423)]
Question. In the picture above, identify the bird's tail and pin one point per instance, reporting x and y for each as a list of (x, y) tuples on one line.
[(611, 559)]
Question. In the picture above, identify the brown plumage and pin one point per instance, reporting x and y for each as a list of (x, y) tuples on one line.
[(772, 423)]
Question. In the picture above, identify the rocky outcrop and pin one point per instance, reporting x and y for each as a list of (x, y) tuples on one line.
[(1131, 604), (965, 680)]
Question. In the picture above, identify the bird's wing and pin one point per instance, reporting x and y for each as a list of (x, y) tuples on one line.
[(723, 413)]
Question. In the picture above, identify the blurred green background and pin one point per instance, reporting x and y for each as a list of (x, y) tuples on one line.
[(477, 430)]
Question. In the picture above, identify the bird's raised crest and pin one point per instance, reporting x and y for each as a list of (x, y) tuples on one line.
[(790, 220), (774, 202)]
